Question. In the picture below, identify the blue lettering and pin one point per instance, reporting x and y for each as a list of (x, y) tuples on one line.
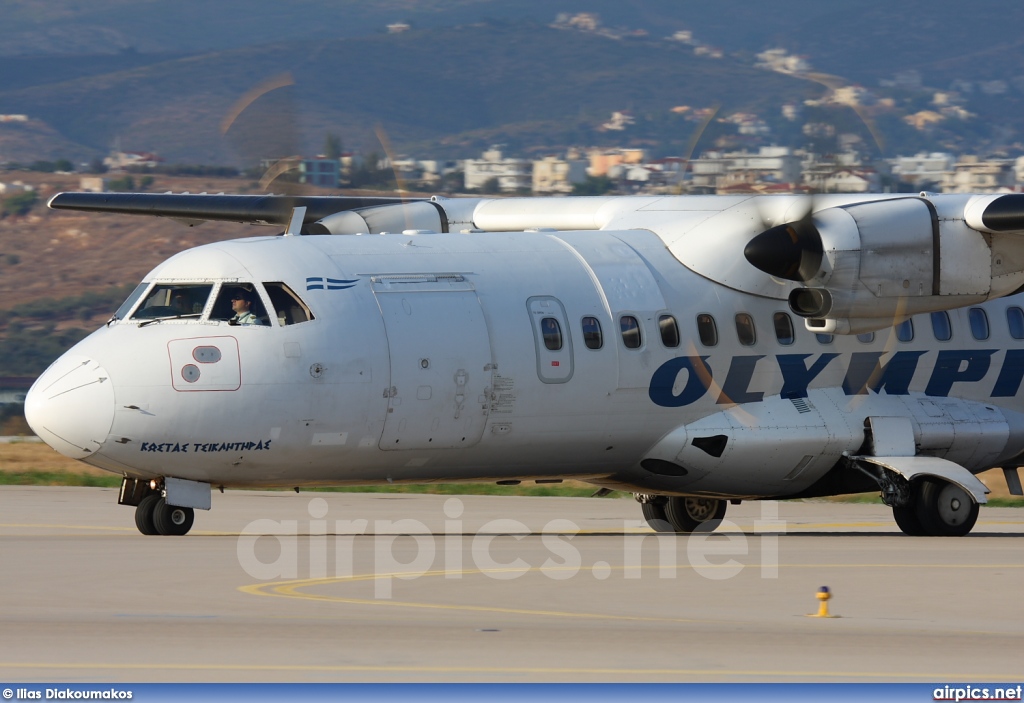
[(947, 369), (795, 374), (663, 382), (1010, 375), (894, 376), (737, 381)]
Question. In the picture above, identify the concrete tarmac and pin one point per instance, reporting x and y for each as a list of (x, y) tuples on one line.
[(274, 586)]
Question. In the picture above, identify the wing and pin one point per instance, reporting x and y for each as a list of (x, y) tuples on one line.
[(248, 209)]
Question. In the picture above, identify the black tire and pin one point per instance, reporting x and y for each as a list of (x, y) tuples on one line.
[(654, 514), (945, 509), (692, 514), (144, 514), (906, 519), (172, 520)]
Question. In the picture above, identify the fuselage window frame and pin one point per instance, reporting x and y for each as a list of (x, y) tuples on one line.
[(942, 327), (551, 333), (978, 322), (288, 307), (593, 337), (179, 301), (866, 337), (905, 330), (785, 334), (707, 329), (126, 308), (669, 330), (222, 303), (746, 332), (632, 335), (1015, 322)]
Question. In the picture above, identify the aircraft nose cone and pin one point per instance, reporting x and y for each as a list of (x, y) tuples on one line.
[(71, 406)]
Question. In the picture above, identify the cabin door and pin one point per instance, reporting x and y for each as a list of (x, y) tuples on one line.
[(440, 365)]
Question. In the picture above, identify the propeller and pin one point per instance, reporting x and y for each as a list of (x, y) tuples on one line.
[(792, 251), (262, 124)]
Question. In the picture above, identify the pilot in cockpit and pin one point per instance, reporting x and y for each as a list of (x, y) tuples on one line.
[(241, 304)]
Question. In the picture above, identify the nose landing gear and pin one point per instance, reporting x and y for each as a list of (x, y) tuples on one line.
[(153, 514), (683, 514)]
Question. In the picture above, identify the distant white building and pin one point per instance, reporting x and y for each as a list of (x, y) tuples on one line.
[(780, 60), (322, 172), (318, 171), (556, 175), (619, 121), (770, 164), (15, 187), (512, 174), (973, 175), (119, 160), (922, 168)]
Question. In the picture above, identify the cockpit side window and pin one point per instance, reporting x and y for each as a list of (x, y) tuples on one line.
[(127, 305), (252, 313), (173, 300), (289, 307)]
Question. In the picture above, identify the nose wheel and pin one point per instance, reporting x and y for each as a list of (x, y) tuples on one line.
[(153, 516), (683, 514)]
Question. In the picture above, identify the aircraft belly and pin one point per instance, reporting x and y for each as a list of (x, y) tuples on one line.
[(776, 446)]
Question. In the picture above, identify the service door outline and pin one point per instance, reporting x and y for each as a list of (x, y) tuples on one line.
[(440, 368), (553, 365)]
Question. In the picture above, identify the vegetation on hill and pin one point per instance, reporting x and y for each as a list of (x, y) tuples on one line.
[(30, 338)]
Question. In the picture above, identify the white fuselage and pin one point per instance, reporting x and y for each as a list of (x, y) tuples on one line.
[(431, 357)]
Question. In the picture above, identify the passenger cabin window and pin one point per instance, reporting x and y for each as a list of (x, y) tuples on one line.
[(1015, 321), (979, 323), (745, 329), (941, 327), (551, 331), (669, 331), (783, 328), (866, 337), (823, 338), (630, 332), (174, 300), (707, 330), (288, 307), (240, 304), (905, 331), (592, 336)]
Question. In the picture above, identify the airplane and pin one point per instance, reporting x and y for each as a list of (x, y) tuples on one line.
[(696, 351)]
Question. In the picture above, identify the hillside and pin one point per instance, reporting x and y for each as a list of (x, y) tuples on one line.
[(528, 82)]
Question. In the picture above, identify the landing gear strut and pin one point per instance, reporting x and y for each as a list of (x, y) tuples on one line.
[(683, 514), (928, 506)]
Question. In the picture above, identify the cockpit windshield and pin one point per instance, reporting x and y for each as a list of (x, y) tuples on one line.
[(173, 300), (234, 302)]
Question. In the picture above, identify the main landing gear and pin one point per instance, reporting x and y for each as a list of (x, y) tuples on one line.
[(681, 513), (153, 514), (933, 507)]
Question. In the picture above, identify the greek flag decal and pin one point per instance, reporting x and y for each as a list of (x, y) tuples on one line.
[(320, 283)]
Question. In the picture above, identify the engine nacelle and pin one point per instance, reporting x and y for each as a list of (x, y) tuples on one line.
[(882, 261)]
